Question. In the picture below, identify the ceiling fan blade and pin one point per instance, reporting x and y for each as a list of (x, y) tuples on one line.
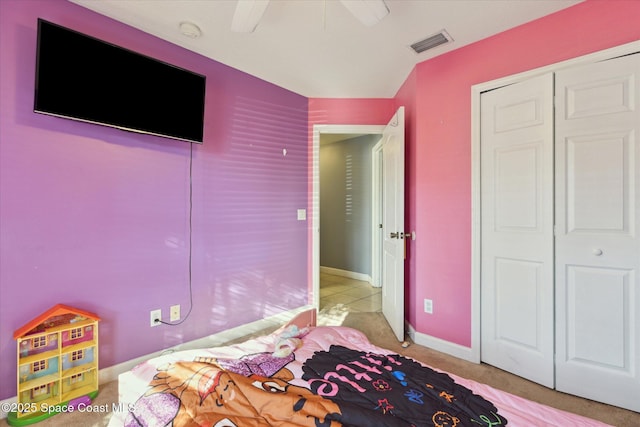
[(369, 12), (247, 15)]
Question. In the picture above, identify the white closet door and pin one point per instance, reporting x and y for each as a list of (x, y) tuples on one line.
[(598, 221), (517, 229)]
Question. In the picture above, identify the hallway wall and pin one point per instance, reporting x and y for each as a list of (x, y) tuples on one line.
[(345, 204)]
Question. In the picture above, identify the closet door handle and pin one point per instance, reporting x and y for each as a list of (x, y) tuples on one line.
[(597, 251), (394, 235)]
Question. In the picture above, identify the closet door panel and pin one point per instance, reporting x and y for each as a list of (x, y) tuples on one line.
[(517, 229), (598, 179), (592, 290), (597, 222)]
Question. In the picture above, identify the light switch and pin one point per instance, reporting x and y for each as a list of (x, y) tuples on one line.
[(302, 214)]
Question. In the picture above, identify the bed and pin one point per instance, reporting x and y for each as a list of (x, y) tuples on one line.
[(307, 375)]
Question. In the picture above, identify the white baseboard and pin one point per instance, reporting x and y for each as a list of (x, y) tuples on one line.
[(441, 345), (345, 273), (111, 373)]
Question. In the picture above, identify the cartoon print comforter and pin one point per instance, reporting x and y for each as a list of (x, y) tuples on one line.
[(335, 378)]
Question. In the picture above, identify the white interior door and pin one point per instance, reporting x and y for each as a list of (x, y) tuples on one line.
[(598, 221), (517, 329), (393, 223)]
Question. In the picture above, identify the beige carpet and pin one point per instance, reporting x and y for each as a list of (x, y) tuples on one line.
[(376, 328)]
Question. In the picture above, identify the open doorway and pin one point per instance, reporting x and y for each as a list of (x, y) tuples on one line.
[(392, 207), (346, 223), (347, 274)]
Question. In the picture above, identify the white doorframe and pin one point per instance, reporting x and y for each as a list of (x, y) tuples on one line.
[(476, 91), (315, 196), (376, 218)]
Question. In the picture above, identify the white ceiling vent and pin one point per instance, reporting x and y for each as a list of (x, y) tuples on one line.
[(432, 41)]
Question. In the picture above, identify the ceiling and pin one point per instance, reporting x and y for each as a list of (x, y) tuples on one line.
[(317, 48)]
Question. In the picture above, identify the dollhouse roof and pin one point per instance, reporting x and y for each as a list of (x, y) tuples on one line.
[(58, 314)]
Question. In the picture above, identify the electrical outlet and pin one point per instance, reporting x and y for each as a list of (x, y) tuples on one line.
[(155, 315), (174, 313), (428, 306)]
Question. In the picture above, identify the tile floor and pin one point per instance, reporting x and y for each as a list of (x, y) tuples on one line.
[(356, 295)]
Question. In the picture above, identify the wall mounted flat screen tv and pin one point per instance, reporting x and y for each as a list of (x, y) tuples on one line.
[(83, 78)]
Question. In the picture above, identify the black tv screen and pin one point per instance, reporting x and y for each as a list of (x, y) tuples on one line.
[(83, 78)]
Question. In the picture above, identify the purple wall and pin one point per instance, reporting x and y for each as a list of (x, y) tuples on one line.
[(97, 218)]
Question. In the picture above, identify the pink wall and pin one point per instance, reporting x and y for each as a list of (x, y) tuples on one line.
[(442, 146), (97, 218), (437, 100), (337, 111)]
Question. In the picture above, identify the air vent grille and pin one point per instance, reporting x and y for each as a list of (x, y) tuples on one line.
[(432, 41)]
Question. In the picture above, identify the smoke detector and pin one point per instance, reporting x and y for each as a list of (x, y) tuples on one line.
[(190, 30)]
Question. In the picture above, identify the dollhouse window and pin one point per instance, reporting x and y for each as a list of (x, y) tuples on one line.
[(77, 355), (40, 390), (76, 333), (39, 342), (40, 365), (77, 378)]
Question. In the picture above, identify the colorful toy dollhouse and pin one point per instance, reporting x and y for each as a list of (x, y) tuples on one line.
[(57, 363)]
